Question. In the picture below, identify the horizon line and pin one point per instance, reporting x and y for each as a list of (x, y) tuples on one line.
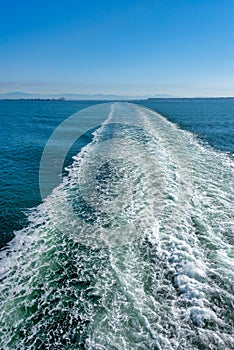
[(42, 96)]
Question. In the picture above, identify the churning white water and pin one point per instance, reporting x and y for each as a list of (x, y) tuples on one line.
[(132, 251)]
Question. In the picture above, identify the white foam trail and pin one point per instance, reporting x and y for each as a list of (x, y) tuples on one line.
[(149, 267)]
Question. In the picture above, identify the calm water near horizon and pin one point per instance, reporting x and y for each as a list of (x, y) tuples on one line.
[(169, 183)]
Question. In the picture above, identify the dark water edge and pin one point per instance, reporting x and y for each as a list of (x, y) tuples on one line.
[(27, 125)]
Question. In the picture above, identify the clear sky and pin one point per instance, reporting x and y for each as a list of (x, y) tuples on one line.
[(179, 47)]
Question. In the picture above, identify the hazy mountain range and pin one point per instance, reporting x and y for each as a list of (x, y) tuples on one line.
[(24, 95)]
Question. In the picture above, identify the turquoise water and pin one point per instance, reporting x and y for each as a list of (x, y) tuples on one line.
[(134, 249)]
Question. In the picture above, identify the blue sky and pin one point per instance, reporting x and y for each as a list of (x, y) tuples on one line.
[(143, 47)]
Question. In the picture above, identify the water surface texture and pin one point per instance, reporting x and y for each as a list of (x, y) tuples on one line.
[(133, 250)]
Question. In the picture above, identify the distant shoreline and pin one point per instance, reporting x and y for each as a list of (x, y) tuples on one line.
[(62, 99)]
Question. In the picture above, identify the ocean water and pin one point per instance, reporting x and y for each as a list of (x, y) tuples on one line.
[(25, 128), (212, 120), (134, 248)]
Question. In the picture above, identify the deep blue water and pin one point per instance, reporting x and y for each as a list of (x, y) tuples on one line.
[(27, 125), (211, 119), (25, 129)]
